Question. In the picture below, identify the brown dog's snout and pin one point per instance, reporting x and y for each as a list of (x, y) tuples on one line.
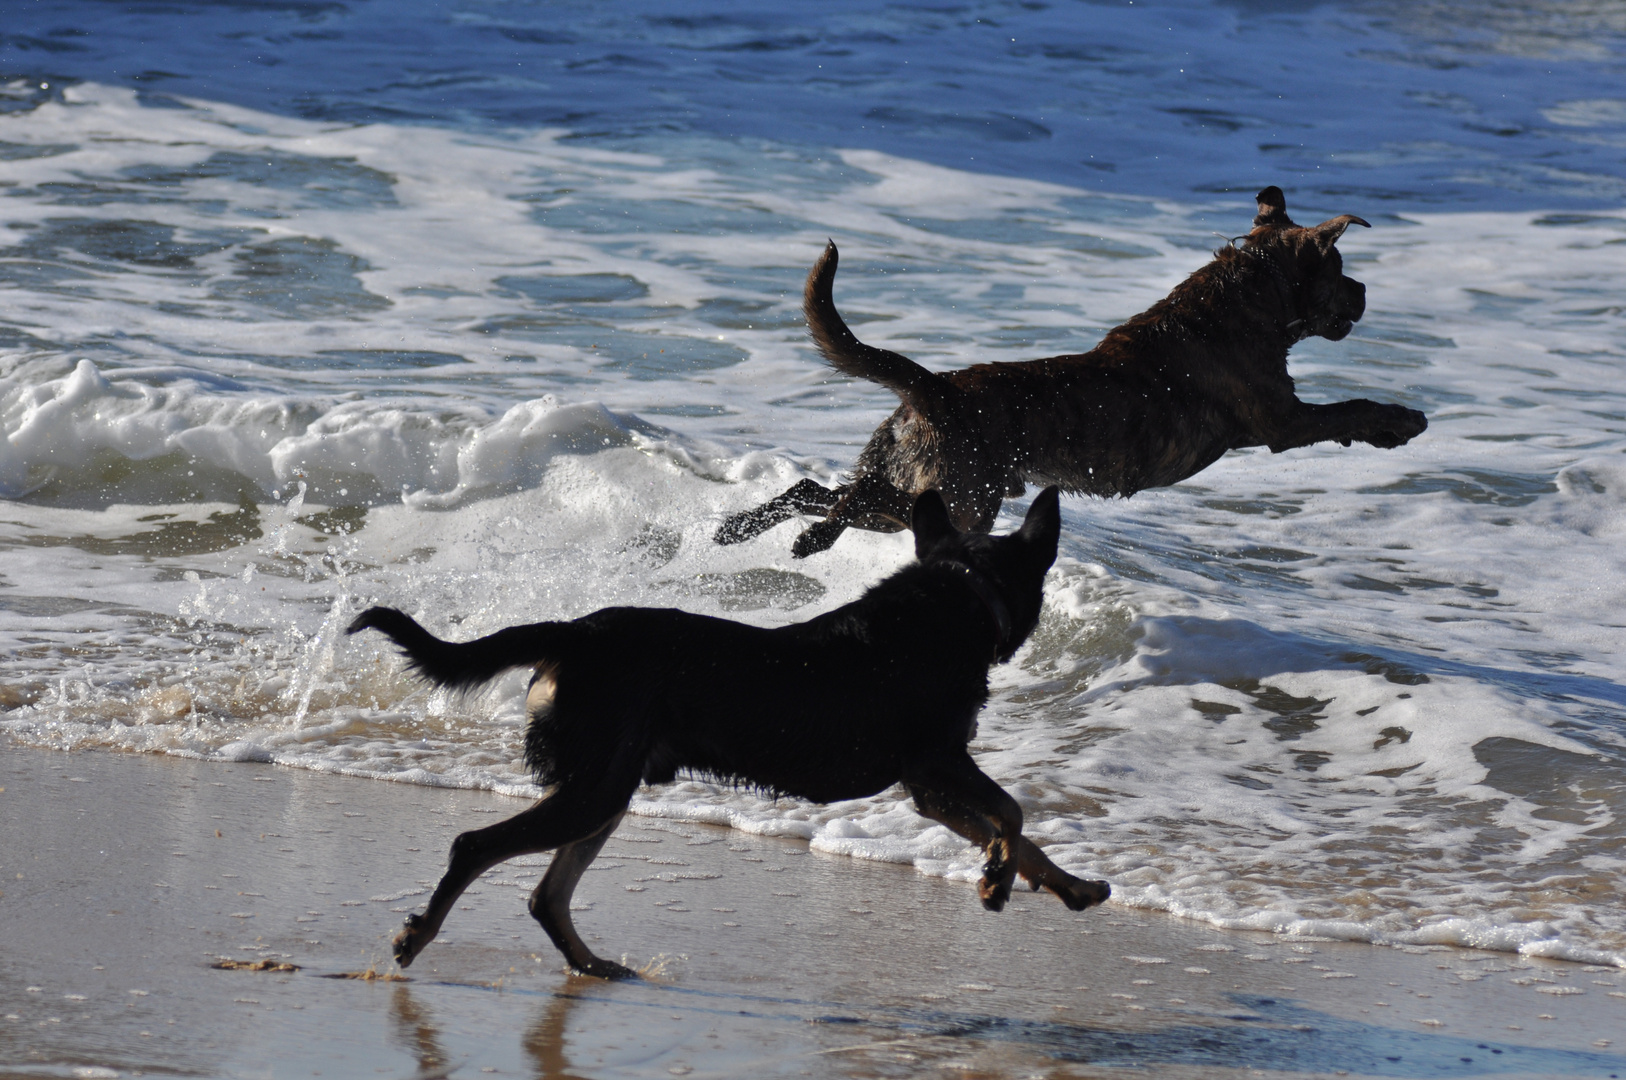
[(1346, 311)]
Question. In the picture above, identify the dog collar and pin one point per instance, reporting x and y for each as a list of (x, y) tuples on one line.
[(990, 599)]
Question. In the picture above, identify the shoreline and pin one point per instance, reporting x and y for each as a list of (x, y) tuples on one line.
[(123, 877)]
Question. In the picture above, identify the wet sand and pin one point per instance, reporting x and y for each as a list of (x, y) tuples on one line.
[(124, 878)]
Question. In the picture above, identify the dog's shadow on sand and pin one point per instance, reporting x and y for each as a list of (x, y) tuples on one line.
[(1272, 1034)]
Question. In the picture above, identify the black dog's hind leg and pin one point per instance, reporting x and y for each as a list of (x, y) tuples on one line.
[(956, 780), (804, 497), (564, 817), (1031, 862), (869, 502), (550, 904)]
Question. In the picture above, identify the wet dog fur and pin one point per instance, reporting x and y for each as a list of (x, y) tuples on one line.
[(1161, 398), (881, 691)]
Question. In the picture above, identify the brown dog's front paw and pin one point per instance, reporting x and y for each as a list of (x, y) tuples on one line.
[(409, 942), (1399, 426), (994, 894)]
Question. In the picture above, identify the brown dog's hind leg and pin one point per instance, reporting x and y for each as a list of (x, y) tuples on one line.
[(867, 503), (550, 905), (956, 780), (557, 820), (804, 497), (1032, 863)]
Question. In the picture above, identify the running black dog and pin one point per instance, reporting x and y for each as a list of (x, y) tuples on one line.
[(1161, 398), (882, 691)]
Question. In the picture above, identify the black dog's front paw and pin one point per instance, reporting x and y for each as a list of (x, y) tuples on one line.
[(998, 875), (603, 969), (1398, 426), (410, 941), (1079, 894)]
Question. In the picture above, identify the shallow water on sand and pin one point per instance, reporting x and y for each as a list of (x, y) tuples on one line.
[(759, 959), (499, 343)]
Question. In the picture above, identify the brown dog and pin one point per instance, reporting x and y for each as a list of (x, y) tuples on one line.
[(1160, 399)]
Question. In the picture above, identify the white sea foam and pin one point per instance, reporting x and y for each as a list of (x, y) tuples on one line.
[(1342, 692)]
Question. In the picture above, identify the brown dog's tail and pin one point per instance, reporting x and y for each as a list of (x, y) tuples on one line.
[(462, 665), (905, 378)]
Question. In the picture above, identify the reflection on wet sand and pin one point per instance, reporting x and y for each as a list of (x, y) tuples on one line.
[(836, 1038), (545, 1041), (419, 1035)]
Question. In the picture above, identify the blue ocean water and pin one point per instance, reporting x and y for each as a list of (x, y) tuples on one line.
[(490, 310), (1435, 104)]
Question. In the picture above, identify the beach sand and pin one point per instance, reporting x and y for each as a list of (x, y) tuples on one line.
[(123, 879)]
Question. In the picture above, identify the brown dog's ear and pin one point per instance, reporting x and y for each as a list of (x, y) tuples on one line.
[(1042, 527), (1328, 232), (930, 522), (1272, 209)]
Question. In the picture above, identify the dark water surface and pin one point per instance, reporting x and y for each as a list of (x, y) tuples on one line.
[(1446, 104)]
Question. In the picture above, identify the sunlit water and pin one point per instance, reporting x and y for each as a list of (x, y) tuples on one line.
[(431, 329)]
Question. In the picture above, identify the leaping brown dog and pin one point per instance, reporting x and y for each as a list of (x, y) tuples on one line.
[(1161, 398)]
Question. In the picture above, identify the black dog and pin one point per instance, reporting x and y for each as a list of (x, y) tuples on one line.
[(1160, 399), (882, 691)]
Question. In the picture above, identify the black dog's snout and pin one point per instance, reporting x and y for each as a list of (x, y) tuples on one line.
[(1354, 300)]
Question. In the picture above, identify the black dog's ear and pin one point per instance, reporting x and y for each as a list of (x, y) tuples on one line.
[(1042, 527), (1328, 232), (930, 522), (1272, 209)]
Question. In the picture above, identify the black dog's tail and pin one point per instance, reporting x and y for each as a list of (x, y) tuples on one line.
[(917, 387), (461, 665)]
